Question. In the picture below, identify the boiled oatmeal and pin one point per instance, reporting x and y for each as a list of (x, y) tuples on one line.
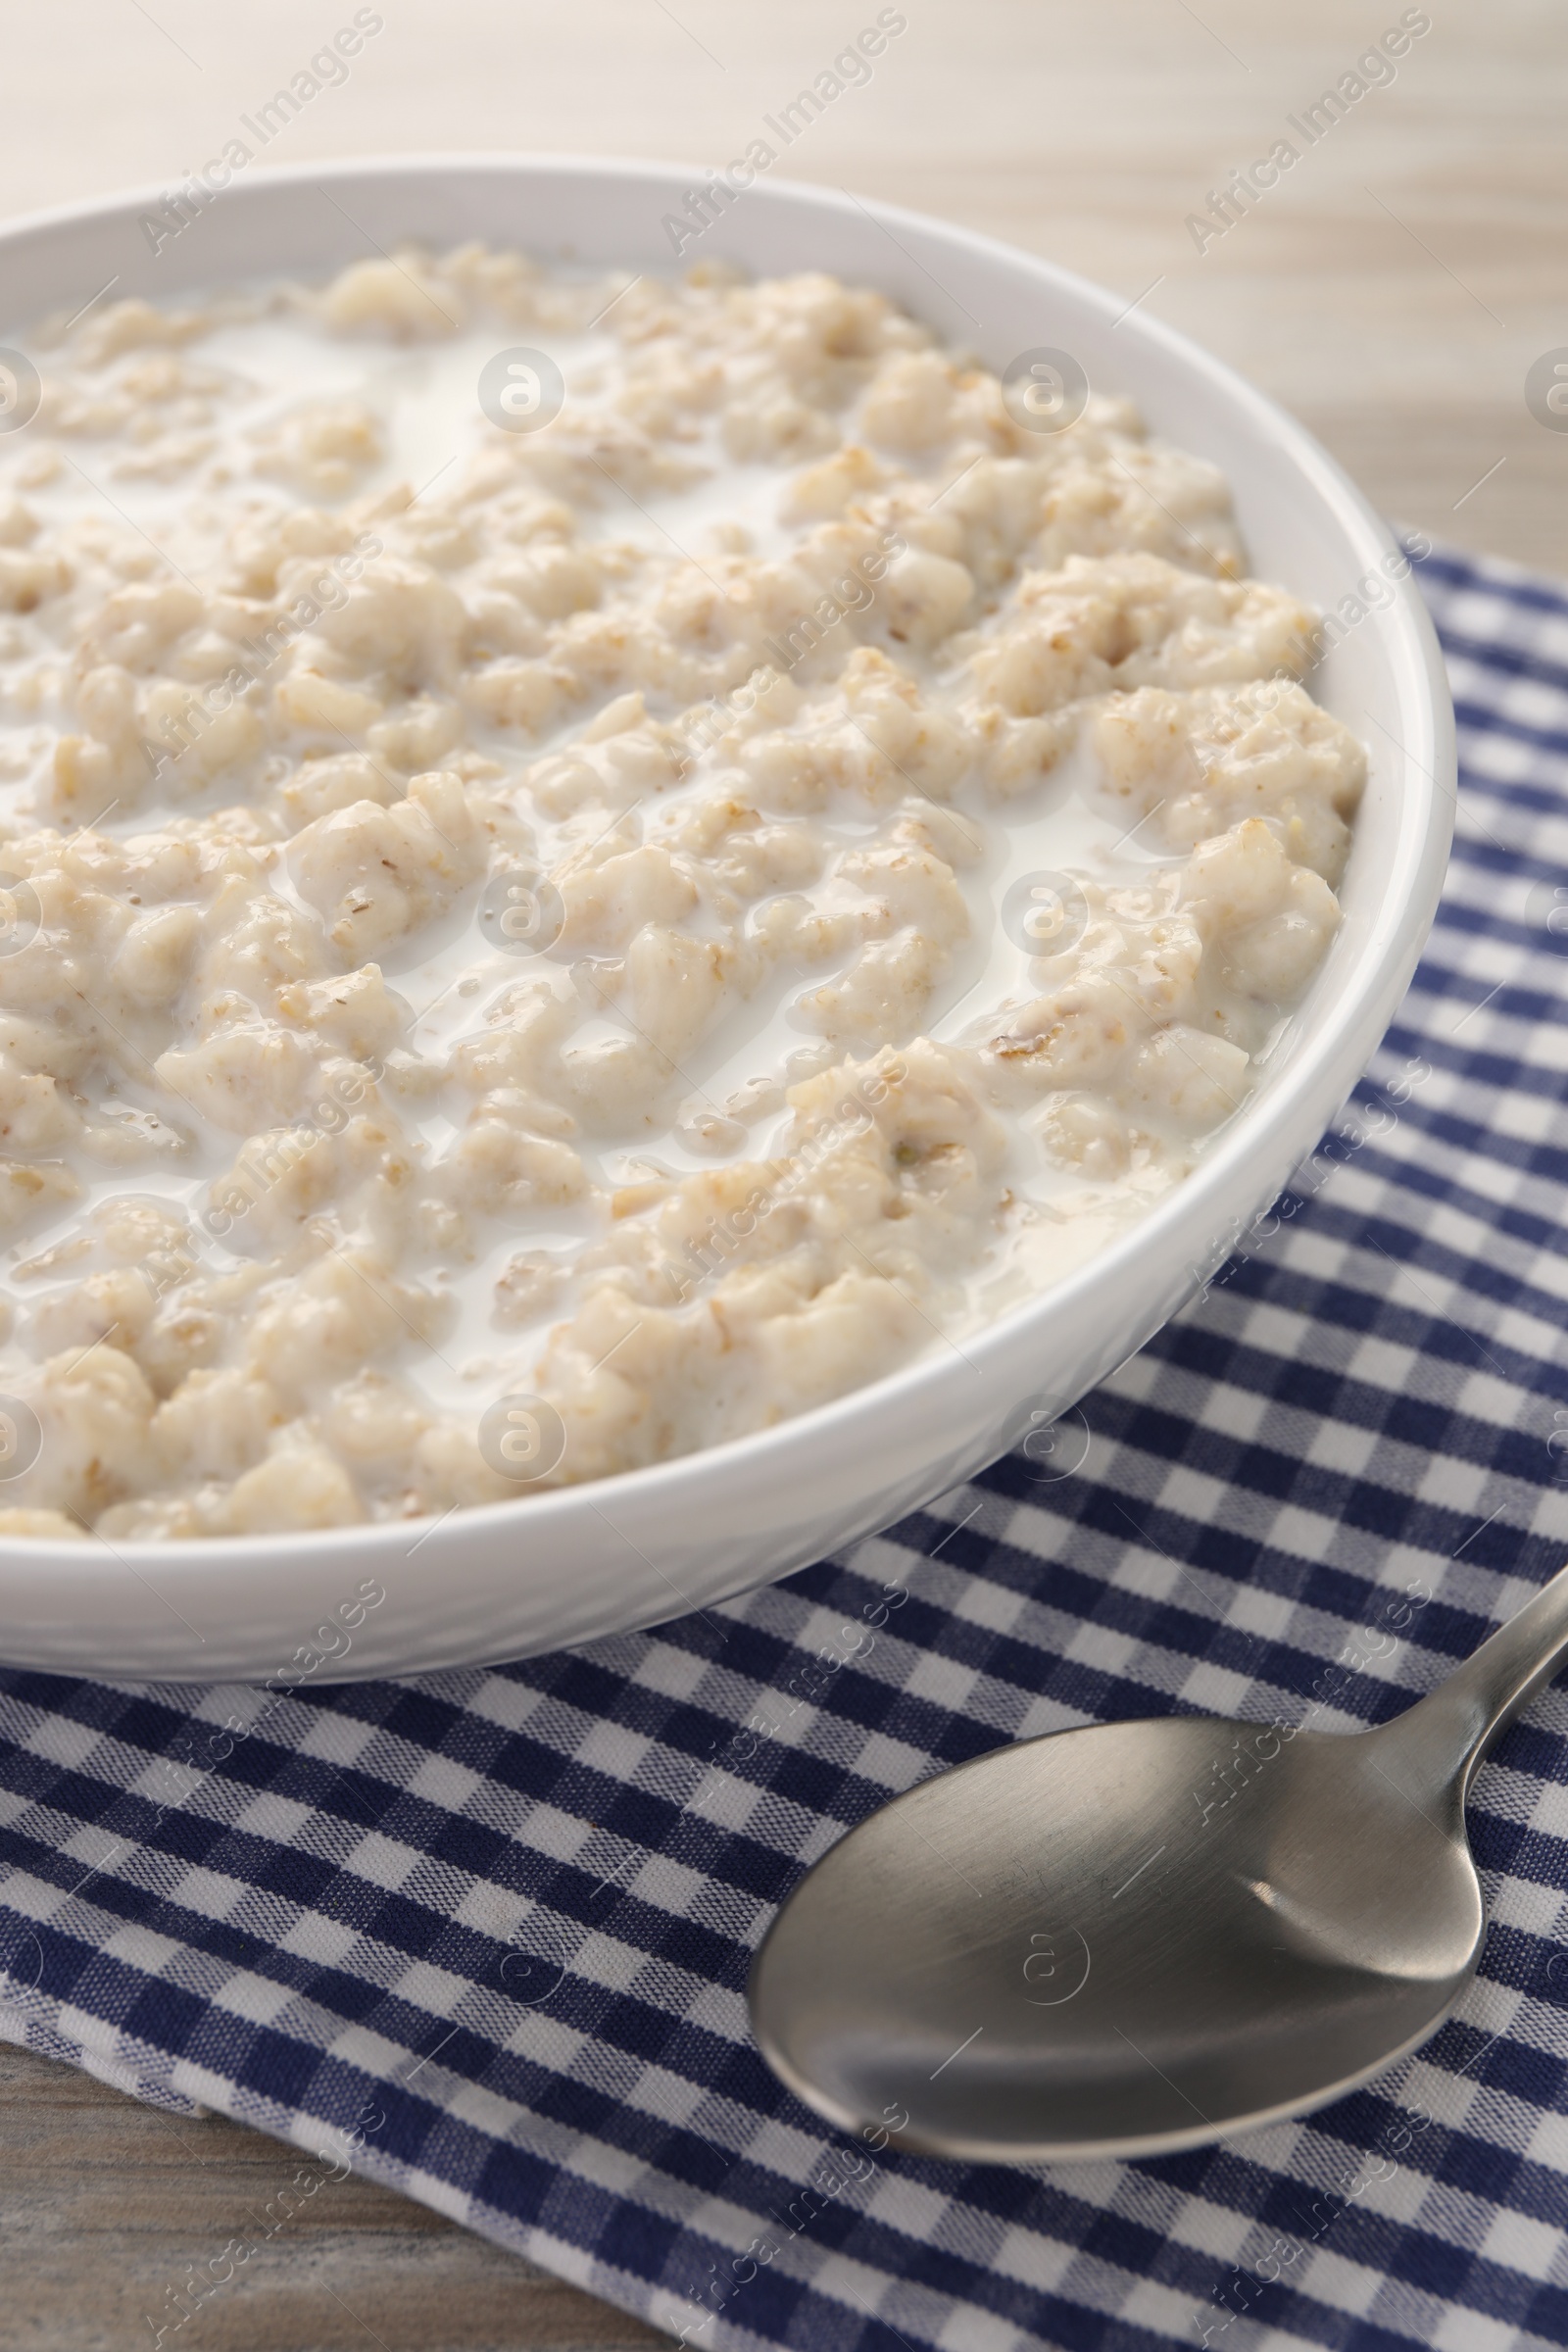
[(541, 935)]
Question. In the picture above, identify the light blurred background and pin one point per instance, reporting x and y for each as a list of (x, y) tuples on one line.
[(1393, 289)]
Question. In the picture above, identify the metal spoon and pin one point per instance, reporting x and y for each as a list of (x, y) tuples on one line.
[(1140, 1936)]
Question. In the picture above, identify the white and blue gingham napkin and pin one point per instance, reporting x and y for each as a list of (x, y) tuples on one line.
[(489, 1932)]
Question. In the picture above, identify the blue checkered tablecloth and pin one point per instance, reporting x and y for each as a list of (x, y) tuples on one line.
[(487, 1932)]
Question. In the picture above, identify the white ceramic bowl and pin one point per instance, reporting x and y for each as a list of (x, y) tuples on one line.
[(511, 1578)]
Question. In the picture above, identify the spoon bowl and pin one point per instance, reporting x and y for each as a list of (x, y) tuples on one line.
[(1140, 1936)]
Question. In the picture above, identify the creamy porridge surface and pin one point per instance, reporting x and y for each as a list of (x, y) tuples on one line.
[(663, 916)]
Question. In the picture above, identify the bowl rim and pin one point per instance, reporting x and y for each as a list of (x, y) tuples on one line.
[(1382, 967)]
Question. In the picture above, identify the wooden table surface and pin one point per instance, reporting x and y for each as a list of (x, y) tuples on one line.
[(1393, 289)]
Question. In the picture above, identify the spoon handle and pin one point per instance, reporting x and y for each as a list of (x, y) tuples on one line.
[(1446, 1734)]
